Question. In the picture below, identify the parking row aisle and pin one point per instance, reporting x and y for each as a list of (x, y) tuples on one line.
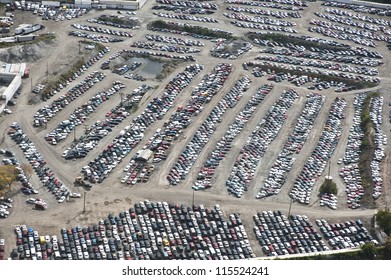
[(316, 163), (218, 151), (206, 131), (293, 145), (99, 168), (266, 131), (159, 146)]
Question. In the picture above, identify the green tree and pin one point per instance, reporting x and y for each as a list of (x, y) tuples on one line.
[(383, 218), (328, 187), (368, 251), (387, 249), (8, 175)]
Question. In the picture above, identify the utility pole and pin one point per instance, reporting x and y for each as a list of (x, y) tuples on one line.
[(85, 129), (84, 207), (290, 206), (47, 71), (193, 197), (79, 48), (31, 83), (121, 94), (74, 134)]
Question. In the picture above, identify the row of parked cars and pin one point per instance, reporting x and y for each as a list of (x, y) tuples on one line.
[(281, 5), (102, 128), (32, 246), (350, 22), (147, 231), (95, 37), (345, 235), (260, 70), (230, 50), (320, 64), (321, 154), (328, 199), (99, 168), (102, 30), (340, 34), (163, 47), (195, 34), (132, 24), (173, 40), (323, 55), (350, 174), (62, 85), (340, 49), (158, 145), (259, 26), (159, 54), (279, 235), (356, 133), (293, 145), (186, 17), (183, 10), (5, 205), (358, 8), (190, 4), (309, 71), (259, 20), (357, 16), (264, 12), (81, 113), (162, 140), (204, 133), (368, 36), (45, 174), (209, 86), (265, 132), (47, 112), (224, 145), (380, 140)]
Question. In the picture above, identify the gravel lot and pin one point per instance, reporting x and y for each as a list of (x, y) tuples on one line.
[(113, 197)]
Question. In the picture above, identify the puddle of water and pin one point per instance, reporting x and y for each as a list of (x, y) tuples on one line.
[(148, 67)]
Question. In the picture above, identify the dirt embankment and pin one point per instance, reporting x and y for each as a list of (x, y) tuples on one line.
[(28, 53)]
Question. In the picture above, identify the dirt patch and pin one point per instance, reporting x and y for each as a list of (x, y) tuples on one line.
[(26, 53)]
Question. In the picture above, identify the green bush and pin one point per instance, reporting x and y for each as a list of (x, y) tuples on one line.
[(329, 187), (383, 218)]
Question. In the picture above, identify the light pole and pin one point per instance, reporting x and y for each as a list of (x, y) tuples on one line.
[(193, 197), (290, 206), (84, 207), (121, 94)]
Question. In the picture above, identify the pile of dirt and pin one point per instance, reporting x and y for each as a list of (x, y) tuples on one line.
[(25, 53)]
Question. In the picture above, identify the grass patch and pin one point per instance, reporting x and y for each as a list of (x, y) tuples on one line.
[(326, 78), (64, 77), (367, 149), (284, 39), (192, 29)]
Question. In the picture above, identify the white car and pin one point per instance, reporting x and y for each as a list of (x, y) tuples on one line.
[(62, 199), (31, 200), (7, 111), (75, 195)]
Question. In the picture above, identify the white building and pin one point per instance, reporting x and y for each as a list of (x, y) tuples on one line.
[(10, 74)]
